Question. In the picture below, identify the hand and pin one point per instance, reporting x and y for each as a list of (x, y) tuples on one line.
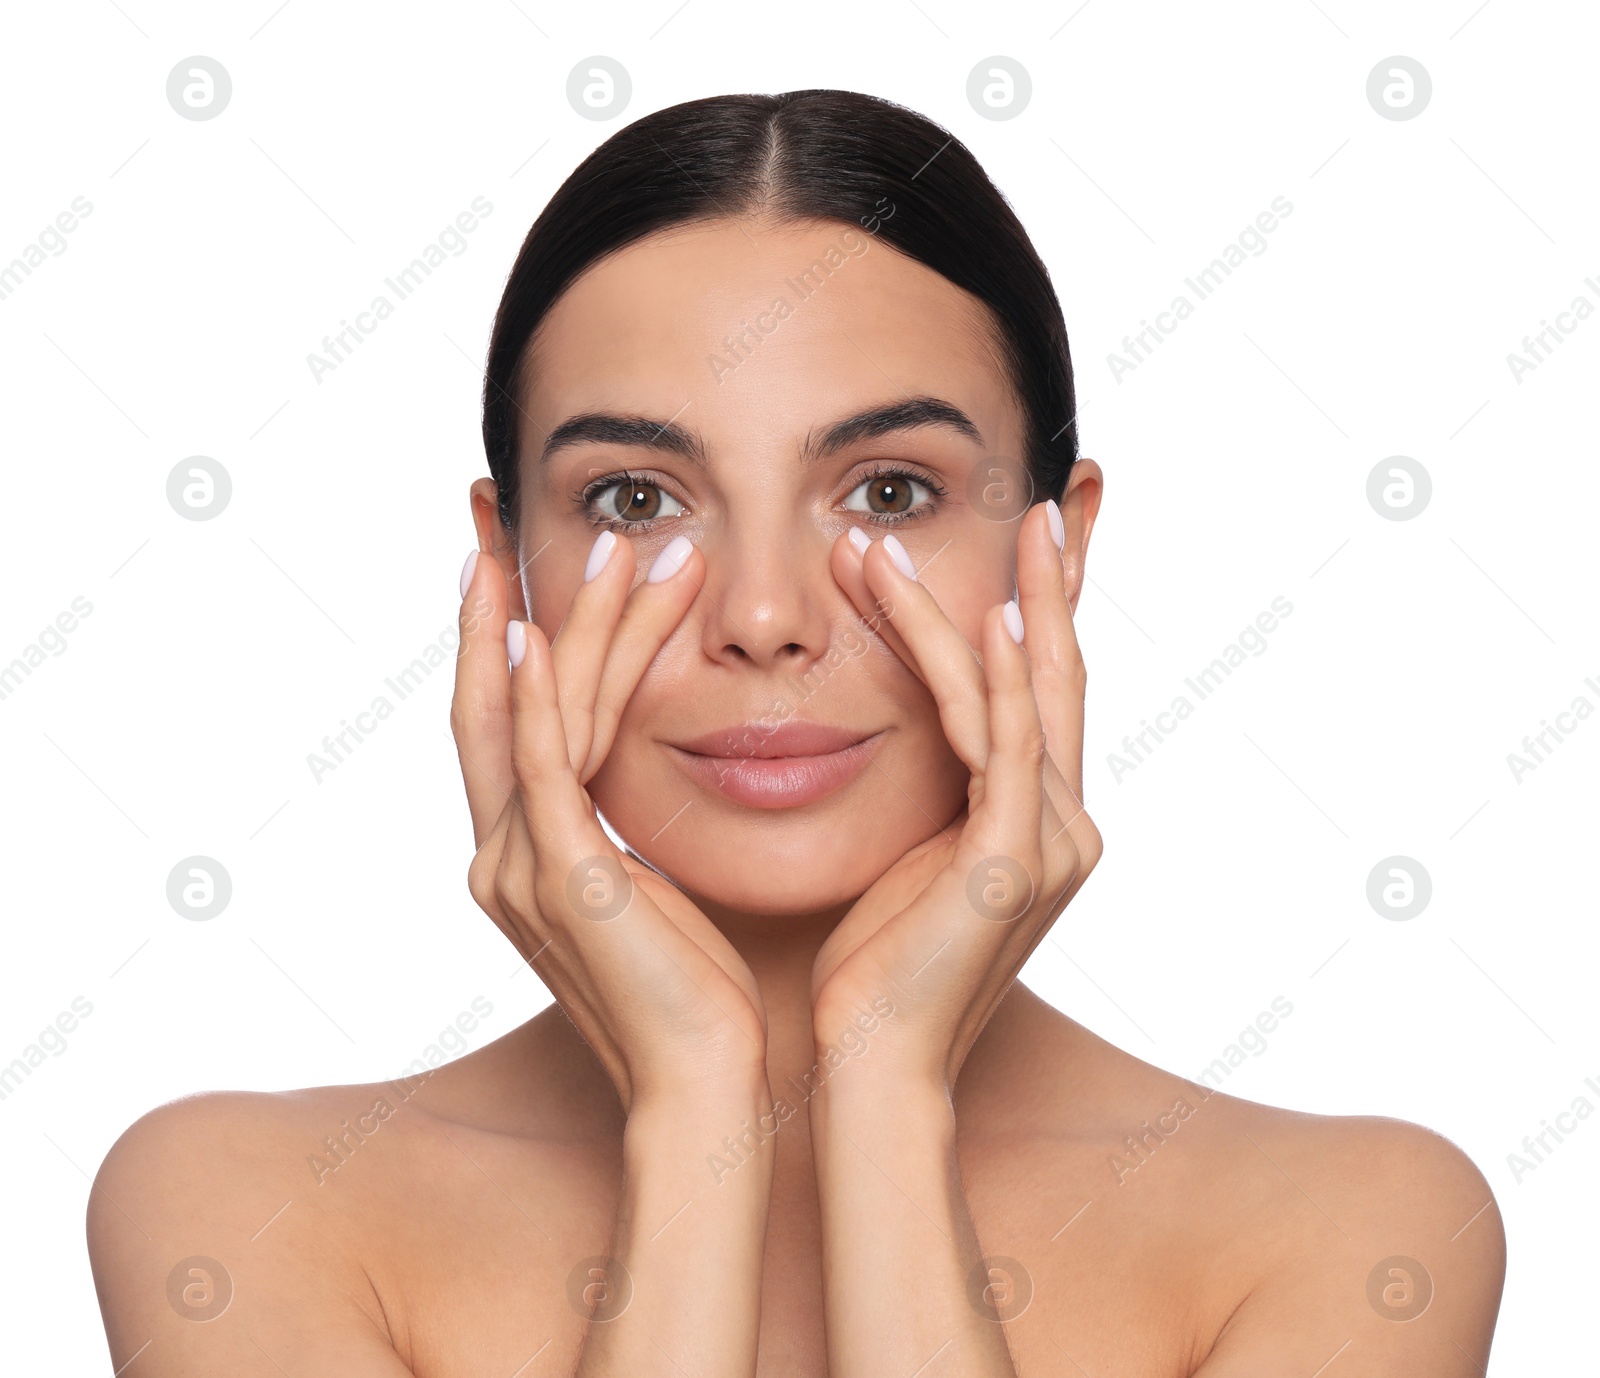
[(658, 993), (945, 930)]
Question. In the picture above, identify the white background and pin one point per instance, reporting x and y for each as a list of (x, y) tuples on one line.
[(1378, 722)]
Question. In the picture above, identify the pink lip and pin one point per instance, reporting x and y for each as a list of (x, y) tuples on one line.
[(784, 767)]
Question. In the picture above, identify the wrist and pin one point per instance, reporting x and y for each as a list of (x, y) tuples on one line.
[(686, 1094), (883, 1100), (716, 1149), (693, 1116), (877, 1063)]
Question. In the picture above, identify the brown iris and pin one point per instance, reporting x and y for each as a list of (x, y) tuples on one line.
[(636, 501), (893, 493)]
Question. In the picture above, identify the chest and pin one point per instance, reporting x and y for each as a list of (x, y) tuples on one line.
[(493, 1268)]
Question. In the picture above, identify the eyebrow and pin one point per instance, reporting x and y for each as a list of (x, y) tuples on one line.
[(609, 428)]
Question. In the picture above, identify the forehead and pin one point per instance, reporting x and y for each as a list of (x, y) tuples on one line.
[(757, 332)]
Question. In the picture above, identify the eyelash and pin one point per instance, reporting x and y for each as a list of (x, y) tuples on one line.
[(585, 497)]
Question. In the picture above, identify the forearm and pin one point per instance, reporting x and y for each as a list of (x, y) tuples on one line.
[(687, 1296), (904, 1276)]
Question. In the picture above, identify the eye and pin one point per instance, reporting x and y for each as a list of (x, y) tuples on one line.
[(890, 495), (621, 500)]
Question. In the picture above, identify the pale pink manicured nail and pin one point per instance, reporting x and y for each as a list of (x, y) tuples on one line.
[(466, 572), (516, 642), (897, 553), (860, 540), (599, 553), (670, 560), (1058, 530), (1011, 614)]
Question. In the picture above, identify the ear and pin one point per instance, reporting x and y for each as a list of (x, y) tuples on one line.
[(495, 540), (1080, 505)]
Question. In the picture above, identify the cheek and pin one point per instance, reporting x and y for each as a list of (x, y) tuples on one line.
[(548, 602), (966, 605)]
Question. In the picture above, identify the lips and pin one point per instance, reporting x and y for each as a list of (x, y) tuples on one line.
[(769, 741), (767, 766)]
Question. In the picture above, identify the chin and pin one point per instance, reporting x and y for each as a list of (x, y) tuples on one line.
[(756, 895), (779, 861)]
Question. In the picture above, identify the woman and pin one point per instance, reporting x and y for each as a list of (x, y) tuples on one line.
[(779, 415)]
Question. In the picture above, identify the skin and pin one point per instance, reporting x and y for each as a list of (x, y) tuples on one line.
[(954, 1124)]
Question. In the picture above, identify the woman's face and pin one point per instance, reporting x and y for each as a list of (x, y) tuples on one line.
[(757, 341)]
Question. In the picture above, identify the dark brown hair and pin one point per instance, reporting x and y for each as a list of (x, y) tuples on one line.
[(804, 156)]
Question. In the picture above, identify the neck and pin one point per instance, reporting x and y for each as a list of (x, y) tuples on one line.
[(780, 950)]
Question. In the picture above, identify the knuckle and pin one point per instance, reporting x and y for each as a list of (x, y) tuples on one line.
[(1093, 846), (524, 766), (481, 880), (1023, 899), (510, 891), (1071, 677), (1032, 859), (471, 711), (471, 619), (549, 895)]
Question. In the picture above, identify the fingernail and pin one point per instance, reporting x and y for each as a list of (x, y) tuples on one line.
[(516, 642), (860, 540), (599, 553), (671, 559), (897, 553), (1058, 530), (1011, 614), (466, 572)]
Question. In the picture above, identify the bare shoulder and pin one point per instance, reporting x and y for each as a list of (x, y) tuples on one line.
[(212, 1251), (1378, 1240), (348, 1228), (1249, 1238)]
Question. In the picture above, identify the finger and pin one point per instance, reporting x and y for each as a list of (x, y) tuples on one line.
[(1060, 681), (483, 881), (480, 709), (934, 648), (1006, 816), (653, 612), (846, 564), (1058, 670), (580, 647), (547, 791), (612, 945), (1023, 875), (998, 872)]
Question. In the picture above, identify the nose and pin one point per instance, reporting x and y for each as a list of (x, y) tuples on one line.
[(770, 598)]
